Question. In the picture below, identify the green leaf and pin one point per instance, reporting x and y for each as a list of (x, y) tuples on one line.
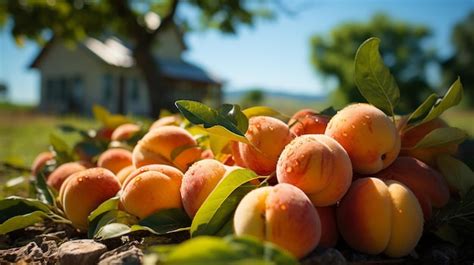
[(61, 148), (96, 215), (166, 221), (456, 173), (112, 230), (220, 205), (13, 206), (229, 250), (43, 192), (263, 111), (330, 111), (103, 229), (22, 221), (441, 137), (423, 109), (107, 119), (373, 78)]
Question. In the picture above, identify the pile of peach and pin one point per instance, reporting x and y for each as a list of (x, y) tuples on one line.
[(329, 177)]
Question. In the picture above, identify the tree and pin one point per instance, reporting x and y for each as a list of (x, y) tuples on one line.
[(72, 20), (401, 47), (461, 63), (252, 97)]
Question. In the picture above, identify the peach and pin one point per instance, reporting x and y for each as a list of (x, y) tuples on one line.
[(173, 120), (61, 173), (329, 232), (368, 135), (84, 191), (268, 137), (428, 155), (198, 182), (150, 189), (115, 159), (125, 132), (318, 165), (104, 133), (281, 214), (124, 173), (308, 121), (158, 145), (40, 161), (376, 216), (429, 187)]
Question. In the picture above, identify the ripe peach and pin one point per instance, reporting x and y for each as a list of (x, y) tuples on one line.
[(368, 135), (318, 165), (84, 191), (61, 173), (376, 217), (158, 145), (151, 188), (40, 161), (308, 121), (125, 132), (281, 214), (173, 120), (115, 159), (428, 155), (329, 232), (268, 136), (429, 187), (124, 173)]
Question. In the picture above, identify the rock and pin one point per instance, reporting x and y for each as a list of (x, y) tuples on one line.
[(129, 254), (29, 253), (80, 252), (327, 256)]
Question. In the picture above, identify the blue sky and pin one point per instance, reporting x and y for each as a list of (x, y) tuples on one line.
[(273, 54)]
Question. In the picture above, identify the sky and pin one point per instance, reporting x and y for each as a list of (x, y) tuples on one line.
[(274, 55)]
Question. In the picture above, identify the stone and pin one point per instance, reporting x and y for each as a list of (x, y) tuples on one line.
[(80, 252), (129, 254), (327, 256)]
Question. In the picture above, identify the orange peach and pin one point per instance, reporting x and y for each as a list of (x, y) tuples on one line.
[(150, 189), (329, 231), (281, 214), (429, 187), (268, 137), (61, 173), (170, 145), (84, 191), (318, 165), (125, 132), (377, 216), (308, 121), (173, 120), (124, 173), (368, 135), (115, 159), (428, 155), (40, 161)]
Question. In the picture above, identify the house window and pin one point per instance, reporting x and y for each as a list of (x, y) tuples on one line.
[(134, 89), (107, 83)]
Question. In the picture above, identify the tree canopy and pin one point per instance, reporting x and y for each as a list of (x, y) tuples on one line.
[(402, 50)]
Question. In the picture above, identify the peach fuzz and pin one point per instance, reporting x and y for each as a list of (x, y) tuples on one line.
[(428, 155), (84, 191), (268, 136), (368, 135), (318, 165), (308, 121), (150, 189), (281, 214), (125, 132), (157, 146), (40, 161), (61, 173), (115, 159), (429, 187), (329, 231), (377, 216)]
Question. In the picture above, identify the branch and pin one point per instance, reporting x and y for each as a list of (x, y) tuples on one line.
[(168, 19)]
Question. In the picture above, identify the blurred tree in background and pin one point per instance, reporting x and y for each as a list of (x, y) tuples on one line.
[(139, 22), (462, 62), (401, 47), (253, 97)]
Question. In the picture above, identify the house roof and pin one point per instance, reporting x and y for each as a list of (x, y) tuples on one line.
[(114, 52)]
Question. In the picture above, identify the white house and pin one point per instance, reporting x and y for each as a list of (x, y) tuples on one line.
[(73, 79)]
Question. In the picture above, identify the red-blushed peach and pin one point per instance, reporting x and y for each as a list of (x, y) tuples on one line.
[(115, 159), (428, 154), (329, 231), (124, 172), (376, 216), (429, 187), (150, 189), (61, 173), (281, 214), (84, 191), (198, 182), (368, 135), (104, 133), (125, 132), (40, 161), (318, 165), (308, 121), (172, 120), (268, 137), (159, 146)]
